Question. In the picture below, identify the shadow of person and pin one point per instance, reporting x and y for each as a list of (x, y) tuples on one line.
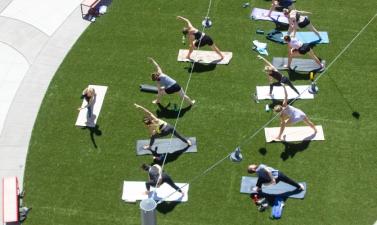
[(292, 148), (294, 75), (165, 112), (166, 207), (200, 67), (94, 131), (170, 157)]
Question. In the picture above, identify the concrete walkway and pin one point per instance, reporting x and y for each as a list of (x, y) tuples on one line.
[(30, 57)]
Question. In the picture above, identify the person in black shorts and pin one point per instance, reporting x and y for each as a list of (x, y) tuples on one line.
[(157, 177), (297, 19), (273, 73), (198, 39)]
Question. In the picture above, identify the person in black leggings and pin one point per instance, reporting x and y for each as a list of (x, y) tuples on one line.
[(273, 73), (198, 39), (269, 175), (157, 177)]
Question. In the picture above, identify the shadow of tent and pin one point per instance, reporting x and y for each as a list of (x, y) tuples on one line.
[(292, 148)]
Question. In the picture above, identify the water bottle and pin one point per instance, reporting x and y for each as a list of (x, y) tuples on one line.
[(267, 108), (184, 39)]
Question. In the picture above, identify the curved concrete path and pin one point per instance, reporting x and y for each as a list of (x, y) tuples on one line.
[(29, 58)]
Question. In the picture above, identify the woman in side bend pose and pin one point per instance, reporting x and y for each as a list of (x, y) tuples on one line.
[(297, 19), (297, 48), (158, 128), (290, 115), (166, 85), (280, 4), (273, 73), (198, 39)]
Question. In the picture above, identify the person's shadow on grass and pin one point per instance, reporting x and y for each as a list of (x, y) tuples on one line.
[(170, 157), (200, 67), (166, 207), (292, 148), (93, 131), (165, 112)]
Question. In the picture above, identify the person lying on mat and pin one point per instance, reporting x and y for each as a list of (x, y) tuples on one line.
[(297, 48), (290, 115), (198, 39), (158, 128), (166, 85), (273, 73), (157, 177), (89, 94), (270, 176), (297, 20), (280, 4)]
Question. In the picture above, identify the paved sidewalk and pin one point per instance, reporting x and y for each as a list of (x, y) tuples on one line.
[(43, 54)]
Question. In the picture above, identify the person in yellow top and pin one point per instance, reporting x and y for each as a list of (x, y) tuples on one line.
[(158, 128)]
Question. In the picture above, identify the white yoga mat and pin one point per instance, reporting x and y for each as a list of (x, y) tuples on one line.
[(294, 134), (82, 119), (46, 15), (278, 92), (260, 14), (207, 57), (135, 190)]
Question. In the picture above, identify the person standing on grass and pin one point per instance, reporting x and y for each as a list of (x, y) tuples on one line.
[(273, 73), (157, 177), (89, 94), (198, 39), (166, 85), (297, 20), (290, 115), (270, 176), (297, 48), (158, 128)]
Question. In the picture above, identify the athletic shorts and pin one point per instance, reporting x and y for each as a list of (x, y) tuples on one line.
[(304, 48), (206, 40), (172, 89), (304, 23), (285, 3)]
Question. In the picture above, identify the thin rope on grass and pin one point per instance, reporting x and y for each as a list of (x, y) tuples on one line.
[(268, 122)]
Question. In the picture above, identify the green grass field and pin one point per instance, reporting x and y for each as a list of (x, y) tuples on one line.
[(70, 181)]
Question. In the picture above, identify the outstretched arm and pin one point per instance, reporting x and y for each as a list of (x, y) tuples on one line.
[(189, 25), (303, 12), (146, 111), (266, 61), (159, 70)]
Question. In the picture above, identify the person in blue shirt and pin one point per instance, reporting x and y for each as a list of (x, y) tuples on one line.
[(268, 175)]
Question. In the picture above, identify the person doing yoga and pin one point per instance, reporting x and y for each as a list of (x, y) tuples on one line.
[(290, 115), (273, 73), (297, 19), (198, 39), (158, 128)]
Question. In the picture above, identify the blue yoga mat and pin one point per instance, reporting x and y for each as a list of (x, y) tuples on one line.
[(309, 36), (280, 189)]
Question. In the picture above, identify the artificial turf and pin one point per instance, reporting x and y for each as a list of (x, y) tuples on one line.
[(75, 176)]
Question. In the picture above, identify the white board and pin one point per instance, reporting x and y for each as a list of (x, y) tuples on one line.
[(278, 92), (82, 119), (304, 133), (207, 57), (135, 190)]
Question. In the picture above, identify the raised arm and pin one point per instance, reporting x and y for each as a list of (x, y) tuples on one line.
[(267, 62), (146, 111), (285, 102), (159, 70), (189, 25)]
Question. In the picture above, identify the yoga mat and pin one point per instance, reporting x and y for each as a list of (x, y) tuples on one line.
[(309, 36), (260, 14), (148, 88), (299, 65), (304, 133), (206, 57), (278, 92), (164, 146)]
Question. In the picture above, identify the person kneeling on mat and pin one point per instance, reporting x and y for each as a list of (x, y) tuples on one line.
[(166, 85), (290, 115), (198, 39), (296, 48), (296, 19), (157, 177), (274, 73), (268, 175), (158, 128)]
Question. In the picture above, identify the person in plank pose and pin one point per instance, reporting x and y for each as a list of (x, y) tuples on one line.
[(297, 19), (157, 177), (166, 85), (269, 175), (198, 39), (279, 4), (297, 48), (158, 128), (273, 73), (89, 94), (290, 115)]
